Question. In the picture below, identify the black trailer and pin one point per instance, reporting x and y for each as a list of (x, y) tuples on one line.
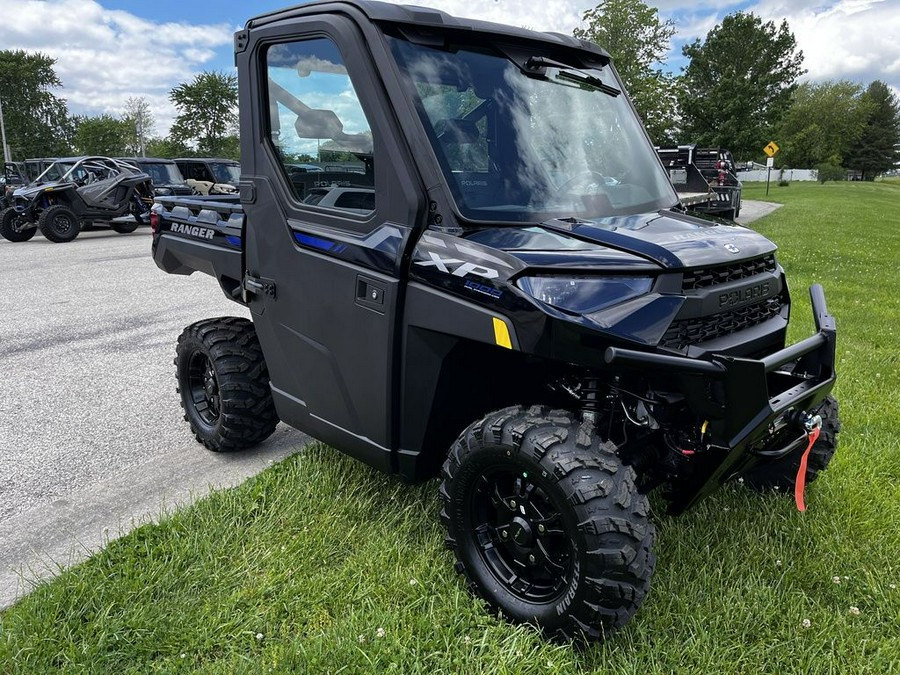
[(705, 179)]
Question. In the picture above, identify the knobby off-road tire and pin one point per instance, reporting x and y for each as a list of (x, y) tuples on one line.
[(781, 475), (10, 222), (124, 228), (546, 523), (224, 384), (59, 224)]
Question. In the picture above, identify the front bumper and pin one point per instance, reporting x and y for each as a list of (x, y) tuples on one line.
[(744, 399)]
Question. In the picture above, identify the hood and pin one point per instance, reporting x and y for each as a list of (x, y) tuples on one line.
[(671, 240), (31, 191)]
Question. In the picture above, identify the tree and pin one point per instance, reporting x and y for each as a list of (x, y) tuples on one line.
[(823, 124), (877, 149), (167, 148), (37, 122), (140, 124), (207, 111), (738, 83), (638, 41), (102, 135)]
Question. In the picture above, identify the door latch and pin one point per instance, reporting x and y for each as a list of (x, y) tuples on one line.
[(258, 286)]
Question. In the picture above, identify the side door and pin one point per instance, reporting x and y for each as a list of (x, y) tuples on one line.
[(324, 274)]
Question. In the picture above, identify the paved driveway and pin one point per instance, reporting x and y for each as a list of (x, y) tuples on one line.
[(753, 210), (91, 434)]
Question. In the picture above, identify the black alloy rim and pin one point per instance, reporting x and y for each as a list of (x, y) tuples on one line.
[(62, 223), (204, 388), (520, 535)]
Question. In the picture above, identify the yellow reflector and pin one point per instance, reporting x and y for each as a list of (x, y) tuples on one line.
[(501, 333)]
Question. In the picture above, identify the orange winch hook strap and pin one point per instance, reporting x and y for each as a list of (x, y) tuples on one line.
[(800, 483)]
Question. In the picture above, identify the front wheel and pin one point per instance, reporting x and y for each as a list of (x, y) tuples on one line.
[(781, 474), (546, 522), (15, 226), (59, 224), (224, 384)]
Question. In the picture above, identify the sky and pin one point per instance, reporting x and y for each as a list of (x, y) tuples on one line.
[(110, 50)]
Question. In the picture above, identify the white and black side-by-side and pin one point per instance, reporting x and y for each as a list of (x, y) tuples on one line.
[(463, 258)]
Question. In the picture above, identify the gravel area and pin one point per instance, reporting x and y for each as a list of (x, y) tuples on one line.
[(92, 440)]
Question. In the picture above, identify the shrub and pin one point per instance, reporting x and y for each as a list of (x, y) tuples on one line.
[(831, 172)]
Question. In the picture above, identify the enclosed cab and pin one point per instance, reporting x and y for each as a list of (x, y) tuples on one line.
[(164, 174), (209, 176)]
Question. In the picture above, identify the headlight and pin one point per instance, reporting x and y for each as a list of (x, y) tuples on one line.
[(161, 191), (584, 295)]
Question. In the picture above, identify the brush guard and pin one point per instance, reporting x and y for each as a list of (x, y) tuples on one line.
[(743, 399)]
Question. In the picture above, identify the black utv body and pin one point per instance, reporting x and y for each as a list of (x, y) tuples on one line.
[(35, 166), (75, 192), (164, 174), (525, 310), (14, 177)]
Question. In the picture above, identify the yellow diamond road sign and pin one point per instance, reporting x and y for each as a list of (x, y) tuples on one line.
[(771, 148)]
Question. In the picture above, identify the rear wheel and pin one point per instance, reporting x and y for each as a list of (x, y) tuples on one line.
[(224, 384), (782, 474), (15, 226), (546, 523), (59, 224), (124, 227)]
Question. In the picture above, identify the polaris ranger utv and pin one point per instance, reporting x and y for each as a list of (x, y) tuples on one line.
[(525, 310)]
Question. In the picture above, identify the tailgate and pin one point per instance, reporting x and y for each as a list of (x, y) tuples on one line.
[(200, 234)]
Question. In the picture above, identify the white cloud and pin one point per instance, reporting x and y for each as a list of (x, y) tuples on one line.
[(106, 56), (852, 39), (559, 15), (857, 40)]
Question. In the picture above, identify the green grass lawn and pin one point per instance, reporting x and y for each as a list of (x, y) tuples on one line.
[(323, 565)]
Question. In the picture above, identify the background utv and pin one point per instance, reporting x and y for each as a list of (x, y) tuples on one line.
[(524, 310), (75, 192)]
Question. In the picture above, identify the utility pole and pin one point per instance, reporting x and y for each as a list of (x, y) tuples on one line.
[(7, 158), (140, 131)]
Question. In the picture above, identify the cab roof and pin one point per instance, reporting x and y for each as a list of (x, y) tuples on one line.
[(416, 16)]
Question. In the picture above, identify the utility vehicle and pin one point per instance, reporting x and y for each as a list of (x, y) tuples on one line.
[(164, 174), (210, 176), (75, 192), (525, 311), (14, 177)]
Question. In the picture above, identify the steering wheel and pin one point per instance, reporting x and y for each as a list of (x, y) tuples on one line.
[(580, 176)]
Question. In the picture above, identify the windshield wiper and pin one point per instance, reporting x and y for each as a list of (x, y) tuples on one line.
[(537, 66)]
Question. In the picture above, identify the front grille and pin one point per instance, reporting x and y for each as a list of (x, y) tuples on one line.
[(720, 274), (687, 332)]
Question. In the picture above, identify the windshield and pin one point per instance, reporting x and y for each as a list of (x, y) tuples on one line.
[(559, 143), (225, 173), (161, 173)]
